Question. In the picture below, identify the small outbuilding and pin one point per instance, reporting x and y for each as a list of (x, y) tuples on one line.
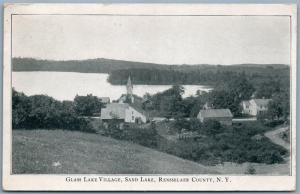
[(224, 116)]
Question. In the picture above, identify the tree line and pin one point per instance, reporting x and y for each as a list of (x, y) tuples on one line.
[(198, 75), (41, 111)]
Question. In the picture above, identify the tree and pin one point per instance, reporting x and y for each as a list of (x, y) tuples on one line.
[(192, 105), (169, 102), (20, 109), (40, 111), (268, 88), (241, 88), (279, 107), (231, 94), (87, 105)]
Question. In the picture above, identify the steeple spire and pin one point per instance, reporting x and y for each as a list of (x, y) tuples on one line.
[(129, 88)]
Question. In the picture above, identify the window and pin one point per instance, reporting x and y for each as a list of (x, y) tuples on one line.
[(132, 117)]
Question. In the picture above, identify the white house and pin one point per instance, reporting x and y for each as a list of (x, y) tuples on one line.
[(255, 106), (122, 112)]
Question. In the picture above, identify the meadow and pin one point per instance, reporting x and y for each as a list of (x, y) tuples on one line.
[(70, 152)]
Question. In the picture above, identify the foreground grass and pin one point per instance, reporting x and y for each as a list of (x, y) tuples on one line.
[(67, 152)]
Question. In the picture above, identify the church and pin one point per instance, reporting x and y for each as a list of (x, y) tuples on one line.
[(125, 109)]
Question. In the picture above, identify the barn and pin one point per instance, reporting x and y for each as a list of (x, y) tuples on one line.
[(224, 116)]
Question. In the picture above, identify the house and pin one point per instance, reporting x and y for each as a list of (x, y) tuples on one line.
[(122, 112), (224, 116), (255, 106), (105, 100)]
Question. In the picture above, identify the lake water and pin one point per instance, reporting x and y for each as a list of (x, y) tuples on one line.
[(65, 85)]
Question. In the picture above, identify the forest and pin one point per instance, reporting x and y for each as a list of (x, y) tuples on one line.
[(212, 76)]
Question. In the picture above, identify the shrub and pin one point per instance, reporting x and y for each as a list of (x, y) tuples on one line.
[(181, 123), (212, 127), (273, 123), (147, 136), (250, 170)]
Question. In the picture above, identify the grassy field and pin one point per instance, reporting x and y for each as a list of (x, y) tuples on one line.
[(260, 169), (58, 151)]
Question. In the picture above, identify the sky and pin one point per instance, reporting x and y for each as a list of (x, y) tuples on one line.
[(221, 40)]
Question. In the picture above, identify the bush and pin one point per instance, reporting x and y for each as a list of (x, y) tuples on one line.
[(250, 170), (144, 136), (193, 124), (212, 127), (273, 123), (181, 123)]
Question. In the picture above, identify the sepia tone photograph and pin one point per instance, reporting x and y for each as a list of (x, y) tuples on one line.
[(151, 94)]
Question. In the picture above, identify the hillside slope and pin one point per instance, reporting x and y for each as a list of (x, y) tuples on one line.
[(58, 151)]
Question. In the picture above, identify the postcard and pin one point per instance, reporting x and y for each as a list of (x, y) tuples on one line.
[(149, 97)]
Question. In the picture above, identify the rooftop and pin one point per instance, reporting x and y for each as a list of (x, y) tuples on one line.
[(261, 102), (213, 113)]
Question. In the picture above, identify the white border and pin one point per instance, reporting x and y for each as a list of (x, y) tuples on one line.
[(58, 183)]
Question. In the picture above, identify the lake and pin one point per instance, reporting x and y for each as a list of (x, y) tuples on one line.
[(66, 85)]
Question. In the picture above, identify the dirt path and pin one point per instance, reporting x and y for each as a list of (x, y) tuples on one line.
[(275, 138)]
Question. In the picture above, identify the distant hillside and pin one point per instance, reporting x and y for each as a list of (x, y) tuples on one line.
[(67, 152), (99, 65), (150, 73)]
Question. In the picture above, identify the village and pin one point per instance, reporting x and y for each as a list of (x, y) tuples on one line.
[(128, 109)]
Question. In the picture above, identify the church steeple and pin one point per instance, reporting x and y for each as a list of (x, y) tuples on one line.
[(129, 88)]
